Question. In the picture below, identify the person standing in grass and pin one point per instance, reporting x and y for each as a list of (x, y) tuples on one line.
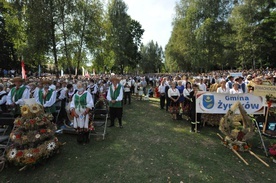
[(140, 91), (195, 117), (180, 88), (173, 94), (115, 97), (162, 91), (82, 103)]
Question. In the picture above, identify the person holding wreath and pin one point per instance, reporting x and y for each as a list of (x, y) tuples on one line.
[(173, 94), (82, 102)]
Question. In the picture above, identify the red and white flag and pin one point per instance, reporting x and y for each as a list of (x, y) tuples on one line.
[(23, 70)]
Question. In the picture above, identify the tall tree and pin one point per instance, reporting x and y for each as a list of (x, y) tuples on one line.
[(123, 35), (151, 58), (254, 35)]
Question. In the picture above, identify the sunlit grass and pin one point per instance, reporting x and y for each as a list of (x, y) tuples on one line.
[(150, 148)]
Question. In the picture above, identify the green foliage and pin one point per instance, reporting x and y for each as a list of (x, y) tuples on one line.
[(70, 34), (221, 34), (152, 58), (12, 39), (123, 36)]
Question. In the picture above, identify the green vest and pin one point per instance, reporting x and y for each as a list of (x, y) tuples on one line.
[(15, 96), (114, 95), (80, 101), (51, 109)]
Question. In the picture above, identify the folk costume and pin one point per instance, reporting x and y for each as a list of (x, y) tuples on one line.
[(17, 95), (174, 94), (115, 97), (80, 102), (47, 98), (3, 100), (93, 89), (70, 92)]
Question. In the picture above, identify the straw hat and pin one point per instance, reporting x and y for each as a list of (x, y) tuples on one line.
[(114, 78), (17, 79), (46, 82)]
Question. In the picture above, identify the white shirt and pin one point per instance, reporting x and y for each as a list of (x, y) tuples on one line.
[(49, 102), (25, 95), (127, 89), (227, 84), (119, 98), (4, 97), (221, 90), (93, 89), (173, 92), (202, 87), (162, 88), (233, 91), (89, 100), (52, 86), (186, 92), (36, 92), (62, 93)]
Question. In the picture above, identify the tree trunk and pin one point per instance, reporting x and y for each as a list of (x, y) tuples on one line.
[(54, 39)]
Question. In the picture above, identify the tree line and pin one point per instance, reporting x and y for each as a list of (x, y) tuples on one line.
[(70, 34), (222, 34)]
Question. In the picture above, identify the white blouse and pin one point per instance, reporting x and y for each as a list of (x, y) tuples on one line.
[(221, 90), (187, 92), (233, 91), (173, 92), (89, 100)]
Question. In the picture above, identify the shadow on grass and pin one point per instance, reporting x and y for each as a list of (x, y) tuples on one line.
[(150, 148)]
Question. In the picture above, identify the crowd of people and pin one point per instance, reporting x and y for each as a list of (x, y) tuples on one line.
[(75, 98), (178, 94), (78, 96)]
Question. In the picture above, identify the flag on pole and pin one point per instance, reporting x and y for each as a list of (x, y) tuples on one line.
[(61, 72), (82, 71), (23, 71), (39, 70)]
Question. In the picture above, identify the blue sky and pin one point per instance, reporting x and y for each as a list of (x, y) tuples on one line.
[(155, 16)]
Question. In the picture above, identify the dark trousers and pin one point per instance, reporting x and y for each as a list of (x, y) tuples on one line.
[(127, 96), (195, 117), (162, 101), (168, 103), (115, 112)]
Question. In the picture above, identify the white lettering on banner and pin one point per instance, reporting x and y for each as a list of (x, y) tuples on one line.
[(219, 103)]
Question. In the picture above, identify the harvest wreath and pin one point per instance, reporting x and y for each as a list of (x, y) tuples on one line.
[(32, 137), (237, 128), (238, 133), (31, 156)]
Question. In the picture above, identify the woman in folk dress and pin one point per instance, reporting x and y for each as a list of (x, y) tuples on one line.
[(187, 99), (173, 94), (80, 106)]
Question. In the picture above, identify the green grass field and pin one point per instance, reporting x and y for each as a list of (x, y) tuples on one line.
[(150, 148)]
